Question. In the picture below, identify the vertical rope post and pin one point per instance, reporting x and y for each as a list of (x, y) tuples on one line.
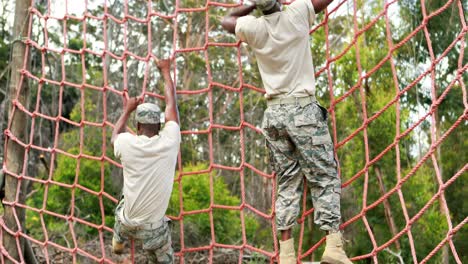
[(15, 155)]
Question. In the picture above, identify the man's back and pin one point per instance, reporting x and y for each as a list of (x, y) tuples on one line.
[(148, 167), (281, 44)]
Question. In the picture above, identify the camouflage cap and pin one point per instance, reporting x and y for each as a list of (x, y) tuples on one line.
[(148, 113), (265, 5)]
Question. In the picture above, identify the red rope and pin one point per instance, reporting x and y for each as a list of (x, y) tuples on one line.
[(106, 89)]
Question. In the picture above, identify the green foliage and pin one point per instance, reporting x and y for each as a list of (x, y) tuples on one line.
[(432, 226), (452, 153), (71, 172), (75, 44), (227, 223), (372, 95)]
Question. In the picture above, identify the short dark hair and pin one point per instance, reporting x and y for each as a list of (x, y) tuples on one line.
[(150, 127)]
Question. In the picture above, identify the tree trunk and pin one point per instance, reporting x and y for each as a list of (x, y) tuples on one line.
[(15, 154), (2, 127), (388, 208)]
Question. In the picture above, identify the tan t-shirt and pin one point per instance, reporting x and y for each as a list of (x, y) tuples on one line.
[(148, 170), (280, 42)]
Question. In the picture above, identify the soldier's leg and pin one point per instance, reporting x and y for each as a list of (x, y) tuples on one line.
[(118, 238), (313, 140), (325, 186), (283, 159), (325, 192), (289, 181), (158, 244)]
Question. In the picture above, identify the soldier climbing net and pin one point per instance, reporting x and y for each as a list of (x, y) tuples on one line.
[(170, 22)]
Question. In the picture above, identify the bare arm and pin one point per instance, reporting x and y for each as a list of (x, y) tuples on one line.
[(172, 112), (120, 127), (320, 5), (229, 22)]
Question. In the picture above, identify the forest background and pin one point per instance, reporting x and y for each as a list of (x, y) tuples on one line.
[(208, 98)]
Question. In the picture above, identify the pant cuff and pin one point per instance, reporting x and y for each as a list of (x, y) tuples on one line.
[(282, 228)]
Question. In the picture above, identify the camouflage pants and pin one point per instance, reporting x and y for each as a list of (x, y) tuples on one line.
[(156, 242), (300, 145)]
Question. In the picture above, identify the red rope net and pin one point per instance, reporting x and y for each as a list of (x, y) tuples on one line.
[(40, 20)]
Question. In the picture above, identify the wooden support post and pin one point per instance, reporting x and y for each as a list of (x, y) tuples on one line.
[(14, 153)]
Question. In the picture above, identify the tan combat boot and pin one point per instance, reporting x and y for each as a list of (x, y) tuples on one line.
[(117, 248), (334, 253), (287, 253)]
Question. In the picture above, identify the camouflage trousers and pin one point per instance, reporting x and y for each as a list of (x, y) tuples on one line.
[(156, 241), (301, 147)]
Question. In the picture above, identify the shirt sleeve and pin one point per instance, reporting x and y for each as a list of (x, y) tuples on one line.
[(245, 28), (303, 12), (171, 130), (120, 142)]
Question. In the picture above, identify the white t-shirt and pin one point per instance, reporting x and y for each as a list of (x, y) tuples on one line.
[(280, 42), (148, 170)]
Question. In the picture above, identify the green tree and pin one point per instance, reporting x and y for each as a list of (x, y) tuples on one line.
[(443, 29), (73, 192), (372, 94), (195, 191), (211, 94)]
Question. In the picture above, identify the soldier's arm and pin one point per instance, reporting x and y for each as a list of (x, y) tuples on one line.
[(120, 127), (320, 5), (229, 22), (172, 112)]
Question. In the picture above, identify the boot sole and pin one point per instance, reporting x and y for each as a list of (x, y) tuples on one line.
[(118, 252)]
